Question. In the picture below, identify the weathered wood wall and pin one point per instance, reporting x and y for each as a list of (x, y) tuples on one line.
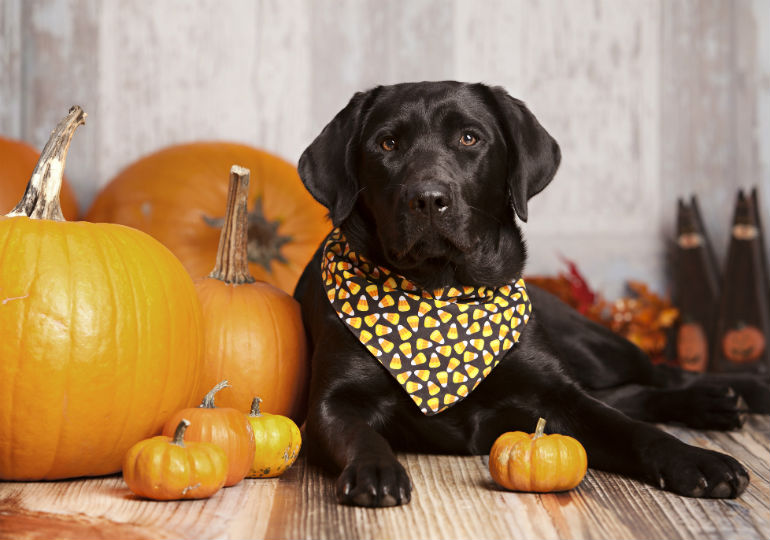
[(650, 99)]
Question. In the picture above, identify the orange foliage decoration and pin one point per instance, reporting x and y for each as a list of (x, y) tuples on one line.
[(644, 318)]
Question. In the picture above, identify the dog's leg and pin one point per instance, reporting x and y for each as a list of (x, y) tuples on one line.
[(698, 406), (614, 442), (753, 388), (697, 400), (617, 443), (343, 431), (595, 356), (530, 382)]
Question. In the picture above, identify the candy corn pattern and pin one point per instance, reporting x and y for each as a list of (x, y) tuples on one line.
[(438, 344)]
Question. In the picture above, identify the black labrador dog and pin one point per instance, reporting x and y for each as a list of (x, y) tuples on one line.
[(424, 182)]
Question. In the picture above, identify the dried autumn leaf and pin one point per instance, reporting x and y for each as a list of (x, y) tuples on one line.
[(643, 317)]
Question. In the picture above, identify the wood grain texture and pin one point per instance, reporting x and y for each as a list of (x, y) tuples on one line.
[(158, 84), (11, 90), (715, 80), (600, 65), (358, 45), (454, 497), (58, 72), (600, 62), (649, 100)]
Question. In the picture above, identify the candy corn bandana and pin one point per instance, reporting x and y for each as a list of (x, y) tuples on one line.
[(440, 344)]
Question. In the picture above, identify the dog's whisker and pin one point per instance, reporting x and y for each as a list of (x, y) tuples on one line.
[(484, 213)]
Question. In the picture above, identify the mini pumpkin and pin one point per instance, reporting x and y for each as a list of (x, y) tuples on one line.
[(224, 426), (278, 441), (536, 462), (253, 331), (165, 468)]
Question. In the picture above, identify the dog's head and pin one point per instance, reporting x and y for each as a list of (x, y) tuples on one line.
[(426, 179)]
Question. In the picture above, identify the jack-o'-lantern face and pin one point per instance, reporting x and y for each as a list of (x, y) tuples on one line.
[(692, 347), (744, 344)]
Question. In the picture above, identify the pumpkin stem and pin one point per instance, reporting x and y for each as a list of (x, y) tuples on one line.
[(41, 198), (232, 265), (539, 428), (255, 407), (178, 438), (208, 400)]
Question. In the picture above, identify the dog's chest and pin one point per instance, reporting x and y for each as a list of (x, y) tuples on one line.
[(439, 345)]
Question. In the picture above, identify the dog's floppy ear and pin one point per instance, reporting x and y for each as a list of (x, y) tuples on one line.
[(533, 154), (328, 166)]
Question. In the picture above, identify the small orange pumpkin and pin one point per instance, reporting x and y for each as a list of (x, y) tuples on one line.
[(535, 462), (164, 468), (225, 427), (278, 442), (744, 344), (253, 331), (17, 161)]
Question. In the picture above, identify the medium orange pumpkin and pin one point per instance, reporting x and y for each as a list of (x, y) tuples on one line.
[(164, 468), (178, 195), (278, 442), (535, 462), (253, 331), (17, 161), (100, 334), (224, 426)]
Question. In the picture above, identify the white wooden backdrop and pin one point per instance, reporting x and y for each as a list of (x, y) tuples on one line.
[(650, 99)]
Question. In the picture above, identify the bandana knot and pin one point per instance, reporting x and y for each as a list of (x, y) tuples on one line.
[(438, 344)]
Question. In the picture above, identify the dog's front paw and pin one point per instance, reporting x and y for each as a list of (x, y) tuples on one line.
[(695, 472), (374, 483)]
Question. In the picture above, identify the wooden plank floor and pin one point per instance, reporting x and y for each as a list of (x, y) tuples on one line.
[(454, 497)]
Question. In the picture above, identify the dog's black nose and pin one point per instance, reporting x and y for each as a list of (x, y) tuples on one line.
[(430, 201)]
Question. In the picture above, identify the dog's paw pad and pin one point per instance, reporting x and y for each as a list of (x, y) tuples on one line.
[(721, 490), (700, 488), (388, 500)]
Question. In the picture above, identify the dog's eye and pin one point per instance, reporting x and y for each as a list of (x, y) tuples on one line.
[(388, 144), (468, 139)]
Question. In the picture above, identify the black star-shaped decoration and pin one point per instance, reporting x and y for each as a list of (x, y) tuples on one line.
[(264, 240)]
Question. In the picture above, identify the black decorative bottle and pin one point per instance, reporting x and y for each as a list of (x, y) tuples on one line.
[(696, 289), (743, 326)]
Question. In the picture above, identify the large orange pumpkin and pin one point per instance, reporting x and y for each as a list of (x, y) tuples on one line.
[(17, 161), (253, 333), (178, 196), (100, 334)]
